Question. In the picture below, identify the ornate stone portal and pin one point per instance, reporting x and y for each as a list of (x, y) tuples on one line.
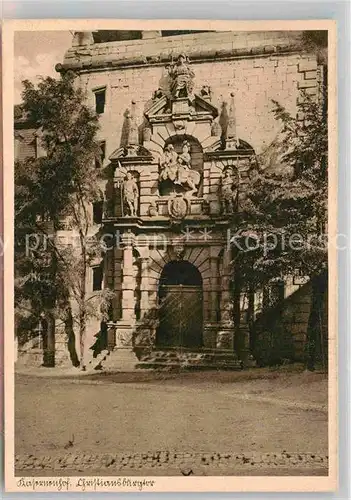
[(180, 189)]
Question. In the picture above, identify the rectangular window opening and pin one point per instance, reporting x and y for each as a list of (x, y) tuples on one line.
[(97, 212), (97, 278), (100, 100)]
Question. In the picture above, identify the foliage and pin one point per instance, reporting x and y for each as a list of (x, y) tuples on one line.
[(281, 227), (55, 187), (274, 346), (316, 41)]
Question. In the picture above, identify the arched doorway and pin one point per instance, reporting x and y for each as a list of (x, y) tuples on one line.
[(180, 306)]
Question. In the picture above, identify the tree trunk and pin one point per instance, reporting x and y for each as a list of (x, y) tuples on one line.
[(82, 335), (49, 305), (319, 286), (49, 351), (82, 305), (71, 339)]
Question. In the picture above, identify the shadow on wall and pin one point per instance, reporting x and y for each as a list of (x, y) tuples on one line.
[(282, 332), (144, 335), (101, 342)]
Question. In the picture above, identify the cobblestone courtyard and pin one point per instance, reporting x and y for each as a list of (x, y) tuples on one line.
[(159, 424)]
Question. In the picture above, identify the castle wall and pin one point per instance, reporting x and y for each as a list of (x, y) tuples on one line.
[(257, 67)]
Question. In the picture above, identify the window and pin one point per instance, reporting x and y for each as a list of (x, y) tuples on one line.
[(100, 99), (99, 162), (97, 278), (97, 212)]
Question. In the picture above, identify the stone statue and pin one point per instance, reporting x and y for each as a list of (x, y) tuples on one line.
[(229, 191), (168, 164), (131, 194), (177, 168), (184, 168), (158, 94), (182, 78), (216, 129), (206, 92)]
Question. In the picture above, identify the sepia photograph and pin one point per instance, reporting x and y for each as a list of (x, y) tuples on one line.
[(172, 310)]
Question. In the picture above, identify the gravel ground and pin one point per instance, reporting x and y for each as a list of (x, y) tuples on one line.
[(256, 422)]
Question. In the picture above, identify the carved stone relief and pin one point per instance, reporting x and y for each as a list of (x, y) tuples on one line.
[(177, 169), (178, 207)]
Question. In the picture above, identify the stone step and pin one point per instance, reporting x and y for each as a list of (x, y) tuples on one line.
[(122, 360), (190, 360), (189, 367), (172, 359)]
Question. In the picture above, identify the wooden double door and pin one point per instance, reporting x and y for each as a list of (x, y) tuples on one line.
[(180, 316)]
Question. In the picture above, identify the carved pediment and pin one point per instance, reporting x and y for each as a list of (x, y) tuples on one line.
[(204, 106), (134, 153), (166, 108), (220, 149), (158, 107)]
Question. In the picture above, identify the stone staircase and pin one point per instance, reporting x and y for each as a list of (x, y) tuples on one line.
[(188, 359), (170, 359)]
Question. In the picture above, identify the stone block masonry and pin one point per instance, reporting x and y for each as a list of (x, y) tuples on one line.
[(257, 67)]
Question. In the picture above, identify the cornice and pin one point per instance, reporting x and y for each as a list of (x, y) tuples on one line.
[(90, 62)]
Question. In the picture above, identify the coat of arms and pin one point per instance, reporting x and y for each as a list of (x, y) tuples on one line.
[(178, 207)]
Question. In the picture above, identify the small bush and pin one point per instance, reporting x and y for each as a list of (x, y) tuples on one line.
[(274, 346)]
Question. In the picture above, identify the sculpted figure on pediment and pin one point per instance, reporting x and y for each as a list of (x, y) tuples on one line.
[(182, 77)]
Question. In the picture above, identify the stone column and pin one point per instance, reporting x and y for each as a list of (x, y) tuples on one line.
[(147, 325), (225, 282), (211, 325), (128, 285), (225, 337), (126, 359), (144, 280), (117, 283), (214, 251)]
